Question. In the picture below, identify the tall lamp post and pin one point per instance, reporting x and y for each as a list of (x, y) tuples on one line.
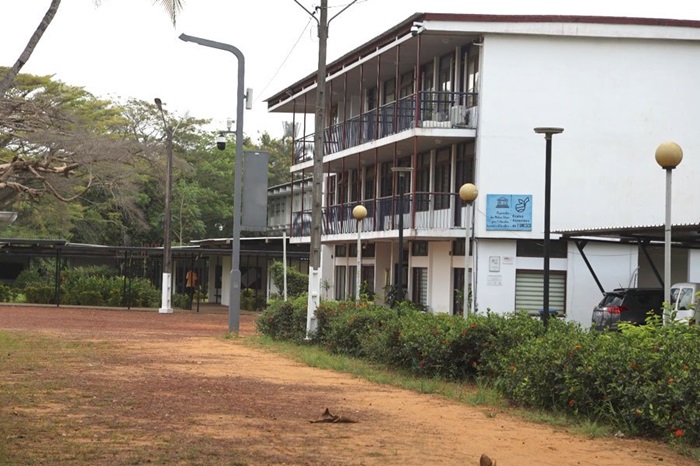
[(401, 172), (235, 291), (468, 193), (668, 156), (359, 213), (166, 291), (548, 132)]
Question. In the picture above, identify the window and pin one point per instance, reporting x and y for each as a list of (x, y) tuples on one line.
[(464, 164), (370, 180), (406, 84), (420, 248), (458, 247), (441, 183), (529, 286), (340, 282), (352, 279), (420, 285), (368, 277), (423, 182), (367, 249), (341, 250), (389, 91)]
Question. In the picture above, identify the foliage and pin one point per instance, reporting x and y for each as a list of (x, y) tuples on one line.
[(346, 327), (250, 301), (87, 286), (7, 294), (285, 320), (297, 282), (643, 380)]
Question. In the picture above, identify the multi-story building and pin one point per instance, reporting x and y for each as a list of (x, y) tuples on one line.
[(455, 98)]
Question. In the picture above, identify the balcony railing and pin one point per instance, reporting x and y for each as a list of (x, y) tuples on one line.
[(432, 211), (437, 110)]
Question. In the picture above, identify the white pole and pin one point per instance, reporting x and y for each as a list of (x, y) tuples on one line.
[(466, 307), (284, 261), (667, 239), (359, 261)]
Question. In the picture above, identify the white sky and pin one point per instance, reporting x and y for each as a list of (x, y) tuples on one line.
[(128, 48)]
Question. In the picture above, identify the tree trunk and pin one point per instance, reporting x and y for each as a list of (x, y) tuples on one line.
[(29, 49)]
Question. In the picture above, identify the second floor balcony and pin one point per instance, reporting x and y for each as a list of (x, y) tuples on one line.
[(447, 110), (438, 212)]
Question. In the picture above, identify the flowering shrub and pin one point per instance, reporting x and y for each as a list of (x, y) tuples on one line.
[(284, 320), (642, 380)]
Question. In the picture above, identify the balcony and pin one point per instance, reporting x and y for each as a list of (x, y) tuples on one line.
[(422, 211), (437, 110)]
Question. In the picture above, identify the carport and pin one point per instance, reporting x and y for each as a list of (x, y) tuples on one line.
[(683, 236)]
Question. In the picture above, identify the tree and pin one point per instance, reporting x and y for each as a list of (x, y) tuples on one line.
[(173, 7), (57, 139)]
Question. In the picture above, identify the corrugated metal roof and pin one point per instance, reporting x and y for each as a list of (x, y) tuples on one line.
[(687, 234)]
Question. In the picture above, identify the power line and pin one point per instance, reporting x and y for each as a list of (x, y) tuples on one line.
[(262, 92)]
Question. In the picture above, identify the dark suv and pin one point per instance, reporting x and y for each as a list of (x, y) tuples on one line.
[(631, 305)]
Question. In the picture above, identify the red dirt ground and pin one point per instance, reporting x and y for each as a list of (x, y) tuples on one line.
[(184, 378)]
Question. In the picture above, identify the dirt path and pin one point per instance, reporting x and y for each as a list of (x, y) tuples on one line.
[(177, 378)]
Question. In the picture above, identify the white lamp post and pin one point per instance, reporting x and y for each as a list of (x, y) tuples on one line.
[(668, 156), (359, 213), (468, 193)]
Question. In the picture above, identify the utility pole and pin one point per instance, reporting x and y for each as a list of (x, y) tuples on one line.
[(317, 182), (166, 287)]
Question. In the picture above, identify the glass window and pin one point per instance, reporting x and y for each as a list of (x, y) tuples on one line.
[(340, 271), (420, 285), (420, 248)]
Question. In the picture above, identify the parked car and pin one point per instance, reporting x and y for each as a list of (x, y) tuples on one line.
[(631, 305), (684, 300)]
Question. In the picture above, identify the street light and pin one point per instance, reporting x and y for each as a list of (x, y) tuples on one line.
[(401, 171), (668, 156), (235, 291), (166, 292), (359, 213), (468, 193), (548, 132)]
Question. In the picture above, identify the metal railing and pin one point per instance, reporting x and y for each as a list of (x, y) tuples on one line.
[(437, 110), (420, 211)]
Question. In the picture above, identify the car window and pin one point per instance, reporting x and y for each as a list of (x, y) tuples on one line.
[(685, 299), (611, 300)]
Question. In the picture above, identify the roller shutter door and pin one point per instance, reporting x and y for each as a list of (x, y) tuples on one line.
[(528, 291)]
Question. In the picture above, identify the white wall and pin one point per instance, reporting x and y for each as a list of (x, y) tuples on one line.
[(614, 265), (617, 101), (495, 290)]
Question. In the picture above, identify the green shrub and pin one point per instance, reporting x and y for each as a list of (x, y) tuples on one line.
[(250, 301), (33, 276), (89, 298), (285, 320), (40, 294), (141, 292), (180, 301), (643, 380), (297, 282), (349, 328), (6, 294)]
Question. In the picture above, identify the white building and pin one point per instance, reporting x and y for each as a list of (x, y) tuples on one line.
[(456, 97)]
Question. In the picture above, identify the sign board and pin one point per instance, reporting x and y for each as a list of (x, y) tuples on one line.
[(509, 212)]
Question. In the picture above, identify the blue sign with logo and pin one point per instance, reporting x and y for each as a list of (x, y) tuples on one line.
[(509, 212)]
